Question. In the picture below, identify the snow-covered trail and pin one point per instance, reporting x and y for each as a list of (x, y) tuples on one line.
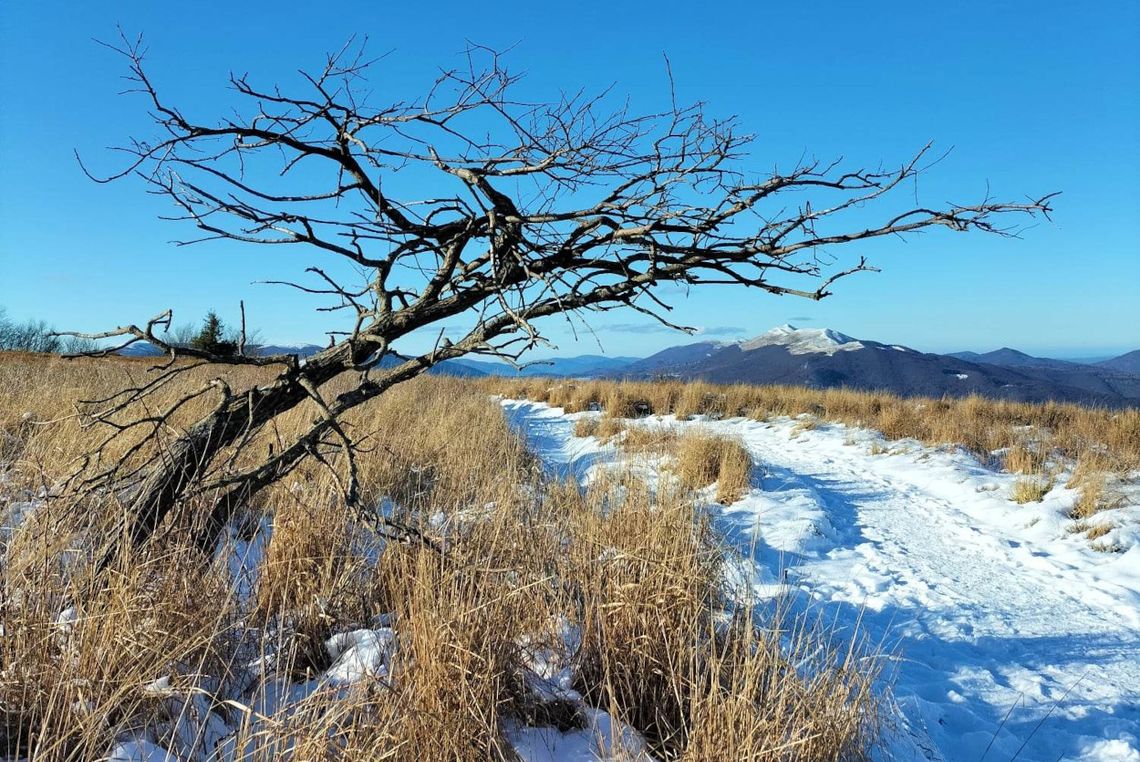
[(1013, 638)]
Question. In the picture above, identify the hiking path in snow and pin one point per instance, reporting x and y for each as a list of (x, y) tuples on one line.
[(1008, 636)]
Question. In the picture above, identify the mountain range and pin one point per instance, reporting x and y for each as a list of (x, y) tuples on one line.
[(823, 358)]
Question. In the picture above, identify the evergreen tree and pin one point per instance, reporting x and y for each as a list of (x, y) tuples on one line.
[(212, 337)]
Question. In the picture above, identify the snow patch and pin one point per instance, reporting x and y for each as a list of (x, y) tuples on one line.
[(603, 738), (140, 751), (359, 654)]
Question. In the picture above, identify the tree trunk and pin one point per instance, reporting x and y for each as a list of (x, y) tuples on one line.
[(168, 479), (183, 463)]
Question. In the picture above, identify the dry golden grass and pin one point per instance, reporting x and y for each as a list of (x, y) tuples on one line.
[(68, 688), (1097, 494), (1030, 489), (652, 440), (1023, 458), (805, 423), (604, 428), (586, 427), (1097, 531), (704, 459), (641, 580), (609, 428), (653, 653), (694, 399), (1091, 499), (981, 425)]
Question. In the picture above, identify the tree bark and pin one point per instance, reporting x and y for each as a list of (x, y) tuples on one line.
[(185, 462)]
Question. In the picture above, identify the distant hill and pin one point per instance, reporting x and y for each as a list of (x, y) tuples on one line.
[(301, 350), (1126, 363), (571, 367), (674, 359), (578, 366), (1012, 358), (824, 358), (140, 350), (446, 368)]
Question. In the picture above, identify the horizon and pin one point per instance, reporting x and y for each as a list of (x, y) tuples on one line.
[(684, 339), (1032, 102)]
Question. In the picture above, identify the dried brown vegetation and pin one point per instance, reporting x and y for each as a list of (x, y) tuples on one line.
[(703, 459), (651, 596), (507, 556), (604, 428), (1030, 489), (1024, 458), (1099, 441)]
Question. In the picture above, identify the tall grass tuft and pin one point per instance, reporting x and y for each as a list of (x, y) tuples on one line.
[(704, 459)]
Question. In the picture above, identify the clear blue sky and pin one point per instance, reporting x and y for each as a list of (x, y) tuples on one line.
[(1033, 96)]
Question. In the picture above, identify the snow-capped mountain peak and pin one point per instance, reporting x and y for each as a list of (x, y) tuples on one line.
[(804, 341)]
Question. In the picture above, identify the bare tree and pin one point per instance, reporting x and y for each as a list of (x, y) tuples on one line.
[(181, 335), (37, 336), (558, 207)]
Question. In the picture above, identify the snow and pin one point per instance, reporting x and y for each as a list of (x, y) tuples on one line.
[(597, 741), (195, 729), (1010, 635), (803, 341), (243, 557), (13, 515), (359, 654), (961, 376), (140, 751), (550, 676)]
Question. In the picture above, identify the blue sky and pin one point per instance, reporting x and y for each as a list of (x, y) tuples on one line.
[(1032, 96)]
